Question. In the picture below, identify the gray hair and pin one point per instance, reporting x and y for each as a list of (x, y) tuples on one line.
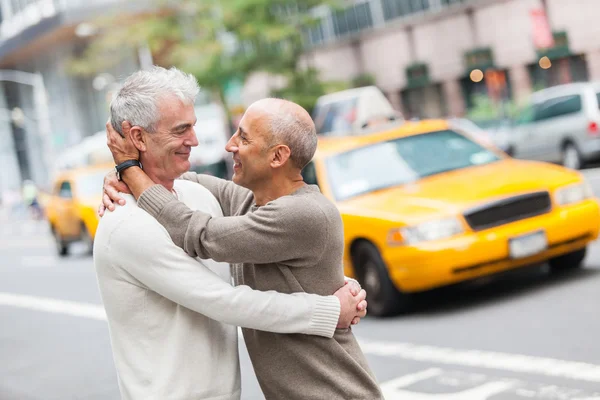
[(291, 125), (138, 99)]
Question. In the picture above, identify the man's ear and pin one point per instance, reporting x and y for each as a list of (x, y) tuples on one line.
[(136, 134), (281, 155)]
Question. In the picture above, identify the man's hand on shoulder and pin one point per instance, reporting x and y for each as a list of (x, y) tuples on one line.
[(110, 193), (353, 304)]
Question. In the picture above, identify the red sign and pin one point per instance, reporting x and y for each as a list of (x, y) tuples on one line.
[(542, 34)]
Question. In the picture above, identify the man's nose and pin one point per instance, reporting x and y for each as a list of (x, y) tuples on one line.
[(191, 139), (231, 145)]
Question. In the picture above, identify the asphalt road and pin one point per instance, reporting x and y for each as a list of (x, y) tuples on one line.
[(529, 335)]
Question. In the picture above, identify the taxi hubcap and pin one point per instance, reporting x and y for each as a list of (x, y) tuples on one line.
[(372, 284)]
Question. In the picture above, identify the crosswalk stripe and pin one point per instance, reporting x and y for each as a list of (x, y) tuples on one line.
[(484, 359), (45, 304)]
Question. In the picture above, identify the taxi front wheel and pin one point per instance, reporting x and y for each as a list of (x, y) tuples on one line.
[(382, 296), (568, 261)]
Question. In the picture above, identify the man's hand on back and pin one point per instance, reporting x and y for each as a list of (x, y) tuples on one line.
[(353, 305), (110, 193)]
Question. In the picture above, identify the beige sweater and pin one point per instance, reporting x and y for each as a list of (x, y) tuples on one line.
[(292, 244)]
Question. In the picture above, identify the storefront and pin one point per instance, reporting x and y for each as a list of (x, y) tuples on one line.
[(486, 88), (557, 65), (422, 98)]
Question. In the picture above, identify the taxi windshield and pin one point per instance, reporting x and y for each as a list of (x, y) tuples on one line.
[(402, 160)]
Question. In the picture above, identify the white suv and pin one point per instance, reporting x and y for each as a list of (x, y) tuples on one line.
[(561, 125)]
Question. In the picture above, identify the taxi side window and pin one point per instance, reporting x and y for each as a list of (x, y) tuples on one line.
[(65, 190), (309, 173)]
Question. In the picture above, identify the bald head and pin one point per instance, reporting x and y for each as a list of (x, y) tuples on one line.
[(290, 124)]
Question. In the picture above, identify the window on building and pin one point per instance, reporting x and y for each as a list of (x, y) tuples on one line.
[(352, 19), (451, 2), (562, 71), (314, 34)]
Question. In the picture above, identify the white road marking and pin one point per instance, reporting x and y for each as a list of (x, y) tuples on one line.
[(457, 385), (393, 390), (45, 304), (439, 355), (484, 359), (411, 379)]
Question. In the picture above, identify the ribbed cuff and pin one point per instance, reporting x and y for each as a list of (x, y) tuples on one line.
[(326, 316), (154, 199)]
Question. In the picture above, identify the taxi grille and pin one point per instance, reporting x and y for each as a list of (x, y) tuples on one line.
[(508, 210)]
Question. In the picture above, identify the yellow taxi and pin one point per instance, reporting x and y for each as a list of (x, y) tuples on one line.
[(426, 206), (72, 207)]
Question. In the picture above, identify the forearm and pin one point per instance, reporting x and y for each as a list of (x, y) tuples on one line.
[(137, 181), (272, 311), (262, 237)]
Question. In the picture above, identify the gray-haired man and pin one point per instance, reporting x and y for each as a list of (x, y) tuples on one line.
[(168, 312)]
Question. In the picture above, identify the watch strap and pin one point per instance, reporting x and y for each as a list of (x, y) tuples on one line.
[(126, 164)]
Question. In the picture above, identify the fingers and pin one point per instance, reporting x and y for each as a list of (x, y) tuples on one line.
[(101, 209), (354, 286), (361, 295), (114, 196), (107, 202), (355, 320), (362, 309), (112, 192)]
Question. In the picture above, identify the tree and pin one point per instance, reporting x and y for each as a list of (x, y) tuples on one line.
[(217, 41)]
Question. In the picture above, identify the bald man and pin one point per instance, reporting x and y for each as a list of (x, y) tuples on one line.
[(279, 234)]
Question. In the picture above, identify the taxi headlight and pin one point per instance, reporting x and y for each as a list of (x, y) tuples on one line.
[(573, 193), (426, 231)]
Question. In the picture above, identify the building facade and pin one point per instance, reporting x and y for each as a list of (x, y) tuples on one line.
[(432, 58), (436, 58), (39, 38)]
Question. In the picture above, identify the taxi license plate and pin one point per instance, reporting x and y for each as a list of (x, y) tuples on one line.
[(528, 245)]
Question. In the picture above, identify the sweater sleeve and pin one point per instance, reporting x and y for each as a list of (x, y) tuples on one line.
[(147, 253), (228, 194), (287, 230)]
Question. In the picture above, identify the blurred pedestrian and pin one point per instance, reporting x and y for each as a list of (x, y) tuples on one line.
[(31, 199), (280, 233), (168, 312)]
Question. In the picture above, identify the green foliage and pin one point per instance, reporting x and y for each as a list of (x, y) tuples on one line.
[(303, 87), (485, 109), (217, 41), (363, 80)]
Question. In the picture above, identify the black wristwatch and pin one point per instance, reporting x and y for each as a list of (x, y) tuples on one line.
[(126, 164)]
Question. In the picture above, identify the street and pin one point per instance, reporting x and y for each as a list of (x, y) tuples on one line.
[(526, 335)]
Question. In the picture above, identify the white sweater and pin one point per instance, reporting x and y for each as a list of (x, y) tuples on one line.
[(168, 313)]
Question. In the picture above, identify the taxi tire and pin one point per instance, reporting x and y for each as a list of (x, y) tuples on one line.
[(569, 261), (62, 248), (383, 299), (87, 240)]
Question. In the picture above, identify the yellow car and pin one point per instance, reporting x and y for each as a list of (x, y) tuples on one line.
[(425, 206), (72, 207)]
